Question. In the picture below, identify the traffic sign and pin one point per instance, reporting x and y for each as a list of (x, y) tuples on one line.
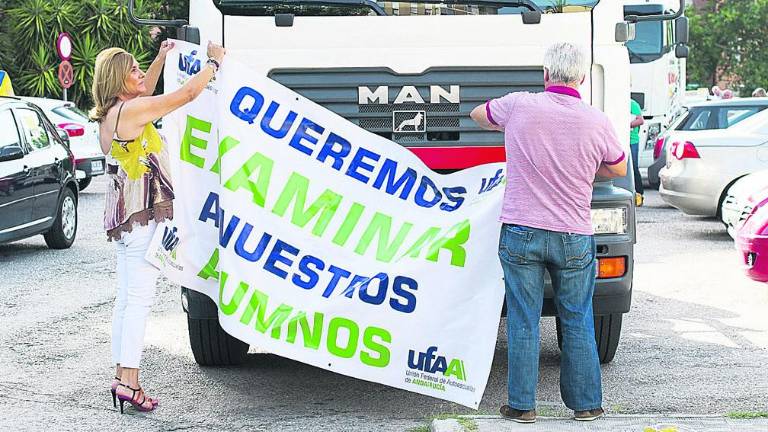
[(66, 74), (64, 46)]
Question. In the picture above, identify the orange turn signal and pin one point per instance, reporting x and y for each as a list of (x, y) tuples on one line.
[(611, 267)]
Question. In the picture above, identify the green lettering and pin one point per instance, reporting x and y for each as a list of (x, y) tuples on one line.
[(209, 270), (333, 335), (258, 306), (453, 240), (189, 140), (379, 227), (429, 236), (234, 302), (349, 224), (368, 341), (227, 144), (296, 192), (454, 368), (241, 178), (311, 336)]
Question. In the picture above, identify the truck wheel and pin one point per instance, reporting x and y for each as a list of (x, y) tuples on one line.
[(82, 184), (210, 344), (607, 332), (62, 233)]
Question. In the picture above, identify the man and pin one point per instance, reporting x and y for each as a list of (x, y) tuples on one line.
[(759, 92), (634, 146), (555, 144)]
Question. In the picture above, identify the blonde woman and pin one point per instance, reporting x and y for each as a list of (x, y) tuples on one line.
[(139, 193)]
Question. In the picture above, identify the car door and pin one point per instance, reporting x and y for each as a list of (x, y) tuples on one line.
[(16, 187), (46, 163)]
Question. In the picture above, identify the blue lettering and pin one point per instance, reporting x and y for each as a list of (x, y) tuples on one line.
[(275, 257), (338, 156), (456, 200), (381, 293), (388, 171), (302, 135), (399, 287), (211, 210), (225, 235), (312, 276), (338, 273), (358, 162), (256, 254), (267, 120), (247, 114), (421, 201)]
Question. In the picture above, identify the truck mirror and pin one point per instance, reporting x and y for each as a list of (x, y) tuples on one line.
[(284, 20), (189, 34), (625, 32), (681, 30), (531, 17), (681, 51)]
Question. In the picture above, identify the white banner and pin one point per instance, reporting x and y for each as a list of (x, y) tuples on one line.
[(327, 244)]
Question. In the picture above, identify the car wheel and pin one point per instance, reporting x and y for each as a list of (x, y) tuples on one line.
[(211, 345), (607, 333), (82, 184), (62, 233)]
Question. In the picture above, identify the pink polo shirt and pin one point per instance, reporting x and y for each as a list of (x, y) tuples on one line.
[(555, 144)]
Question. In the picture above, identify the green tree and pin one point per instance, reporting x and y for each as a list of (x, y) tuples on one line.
[(730, 40), (28, 30)]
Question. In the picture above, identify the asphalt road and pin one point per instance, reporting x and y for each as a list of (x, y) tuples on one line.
[(695, 342)]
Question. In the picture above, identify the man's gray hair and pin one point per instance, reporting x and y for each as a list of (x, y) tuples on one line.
[(566, 63)]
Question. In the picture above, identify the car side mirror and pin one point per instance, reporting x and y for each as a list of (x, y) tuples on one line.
[(681, 51), (10, 153), (681, 30)]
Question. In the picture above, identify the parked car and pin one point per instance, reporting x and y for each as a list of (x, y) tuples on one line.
[(752, 241), (83, 136), (702, 116), (741, 199), (703, 164), (38, 187)]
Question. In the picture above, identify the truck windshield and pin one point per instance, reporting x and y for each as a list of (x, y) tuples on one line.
[(346, 8), (648, 41)]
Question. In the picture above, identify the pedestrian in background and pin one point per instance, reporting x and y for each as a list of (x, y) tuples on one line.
[(139, 192), (555, 144), (634, 147), (759, 92)]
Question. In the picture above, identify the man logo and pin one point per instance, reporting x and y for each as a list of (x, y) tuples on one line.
[(409, 121), (188, 63), (170, 241), (408, 94)]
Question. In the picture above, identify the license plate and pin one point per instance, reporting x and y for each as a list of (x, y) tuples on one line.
[(97, 166)]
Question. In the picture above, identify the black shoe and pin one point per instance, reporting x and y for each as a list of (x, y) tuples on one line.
[(589, 415), (517, 415)]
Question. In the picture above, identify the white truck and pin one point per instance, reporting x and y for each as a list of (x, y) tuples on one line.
[(412, 72), (657, 69)]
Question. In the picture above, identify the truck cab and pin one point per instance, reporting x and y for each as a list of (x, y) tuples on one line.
[(412, 72)]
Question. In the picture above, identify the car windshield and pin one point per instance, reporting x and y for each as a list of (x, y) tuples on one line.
[(718, 117), (71, 112), (344, 8)]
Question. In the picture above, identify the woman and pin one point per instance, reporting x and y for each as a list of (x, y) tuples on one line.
[(139, 193)]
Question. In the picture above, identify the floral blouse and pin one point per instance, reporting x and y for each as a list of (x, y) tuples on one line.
[(139, 188)]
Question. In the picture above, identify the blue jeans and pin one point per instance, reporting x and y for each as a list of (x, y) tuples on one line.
[(635, 150), (570, 259)]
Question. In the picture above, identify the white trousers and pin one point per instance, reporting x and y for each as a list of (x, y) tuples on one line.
[(136, 279)]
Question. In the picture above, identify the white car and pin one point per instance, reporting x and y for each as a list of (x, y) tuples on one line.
[(702, 165), (83, 136), (740, 199)]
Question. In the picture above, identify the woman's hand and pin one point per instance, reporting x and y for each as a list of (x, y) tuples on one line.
[(165, 46), (216, 52)]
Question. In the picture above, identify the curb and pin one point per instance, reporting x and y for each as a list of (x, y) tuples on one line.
[(692, 422)]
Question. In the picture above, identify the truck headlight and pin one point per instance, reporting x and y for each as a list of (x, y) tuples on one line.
[(609, 220)]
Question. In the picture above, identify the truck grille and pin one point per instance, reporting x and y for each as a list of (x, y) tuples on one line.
[(447, 124)]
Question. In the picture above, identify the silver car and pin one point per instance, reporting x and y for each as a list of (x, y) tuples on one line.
[(702, 165)]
